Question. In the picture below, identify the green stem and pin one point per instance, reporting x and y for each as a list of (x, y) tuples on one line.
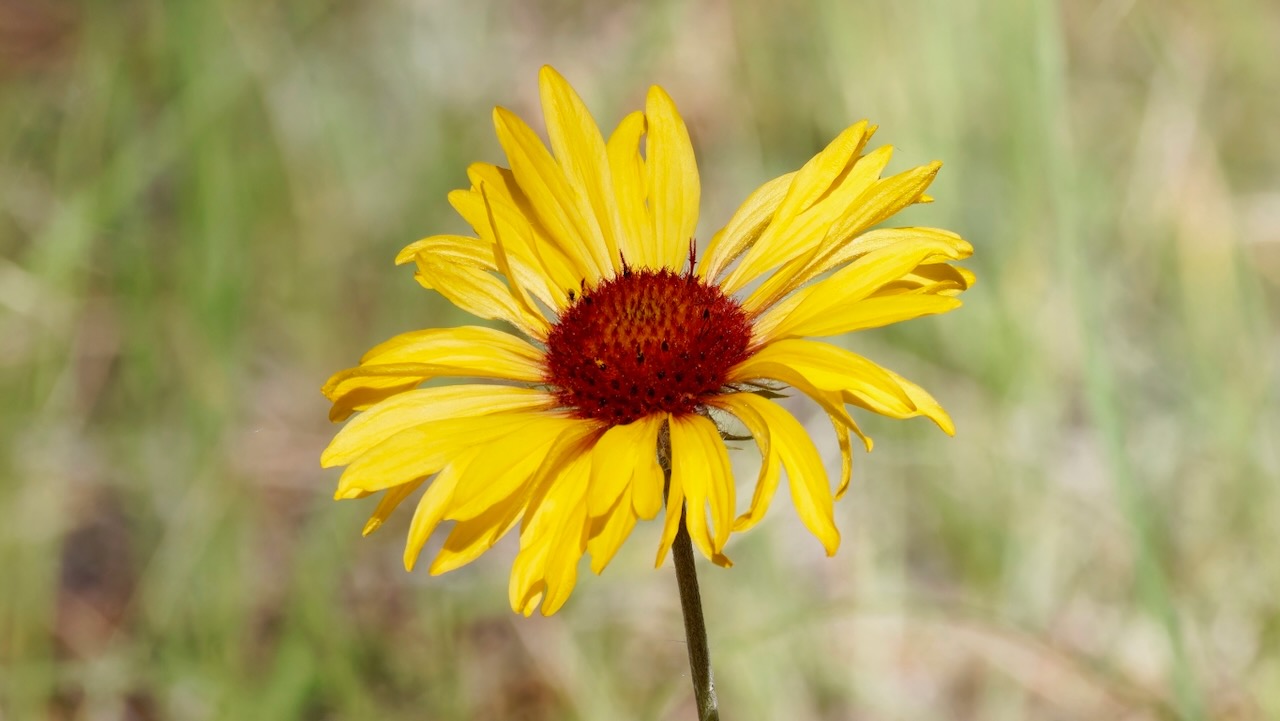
[(695, 629)]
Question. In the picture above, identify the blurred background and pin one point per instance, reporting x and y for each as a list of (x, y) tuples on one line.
[(200, 203)]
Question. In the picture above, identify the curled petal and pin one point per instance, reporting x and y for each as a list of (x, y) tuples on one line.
[(810, 491), (701, 463), (410, 359)]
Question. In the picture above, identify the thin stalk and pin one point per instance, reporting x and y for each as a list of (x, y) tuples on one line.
[(695, 628)]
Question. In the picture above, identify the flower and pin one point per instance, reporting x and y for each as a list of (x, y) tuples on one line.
[(587, 250)]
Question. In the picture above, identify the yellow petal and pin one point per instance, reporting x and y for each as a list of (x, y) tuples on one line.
[(374, 384), (505, 467), (744, 228), (550, 195), (629, 187), (620, 453), (419, 407), (647, 482), (810, 490), (671, 524), (824, 170), (842, 291), (478, 253), (860, 279), (874, 313), (423, 450), (770, 462), (580, 149), (552, 541), (836, 369), (431, 509), (528, 594), (472, 537), (528, 583), (562, 563), (701, 463), (481, 294), (950, 245), (789, 239), (462, 344), (457, 248), (361, 387), (930, 279), (673, 185), (610, 530), (846, 456), (389, 502), (882, 200), (753, 369), (876, 204), (924, 403), (764, 329), (575, 441), (930, 276), (412, 358), (515, 218), (503, 260)]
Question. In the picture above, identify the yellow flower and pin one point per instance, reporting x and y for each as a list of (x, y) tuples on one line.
[(587, 250)]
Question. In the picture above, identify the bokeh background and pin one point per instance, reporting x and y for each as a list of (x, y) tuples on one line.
[(199, 207)]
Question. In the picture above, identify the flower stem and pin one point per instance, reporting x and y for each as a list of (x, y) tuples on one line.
[(695, 629)]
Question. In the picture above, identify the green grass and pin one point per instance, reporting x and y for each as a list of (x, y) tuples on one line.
[(199, 206)]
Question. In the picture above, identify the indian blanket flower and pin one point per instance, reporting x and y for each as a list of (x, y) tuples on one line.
[(635, 347)]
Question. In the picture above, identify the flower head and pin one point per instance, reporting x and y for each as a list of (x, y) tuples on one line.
[(629, 337)]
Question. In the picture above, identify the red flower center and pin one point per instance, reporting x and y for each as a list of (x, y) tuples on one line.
[(646, 341)]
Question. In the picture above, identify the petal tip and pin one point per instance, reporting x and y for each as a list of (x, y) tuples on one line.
[(408, 254), (658, 96), (550, 79), (944, 422), (503, 118), (661, 557), (347, 494), (531, 604), (831, 543)]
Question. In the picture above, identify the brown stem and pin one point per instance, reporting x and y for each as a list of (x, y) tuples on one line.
[(695, 628)]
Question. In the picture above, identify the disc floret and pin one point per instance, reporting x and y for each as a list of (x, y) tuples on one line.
[(644, 341)]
